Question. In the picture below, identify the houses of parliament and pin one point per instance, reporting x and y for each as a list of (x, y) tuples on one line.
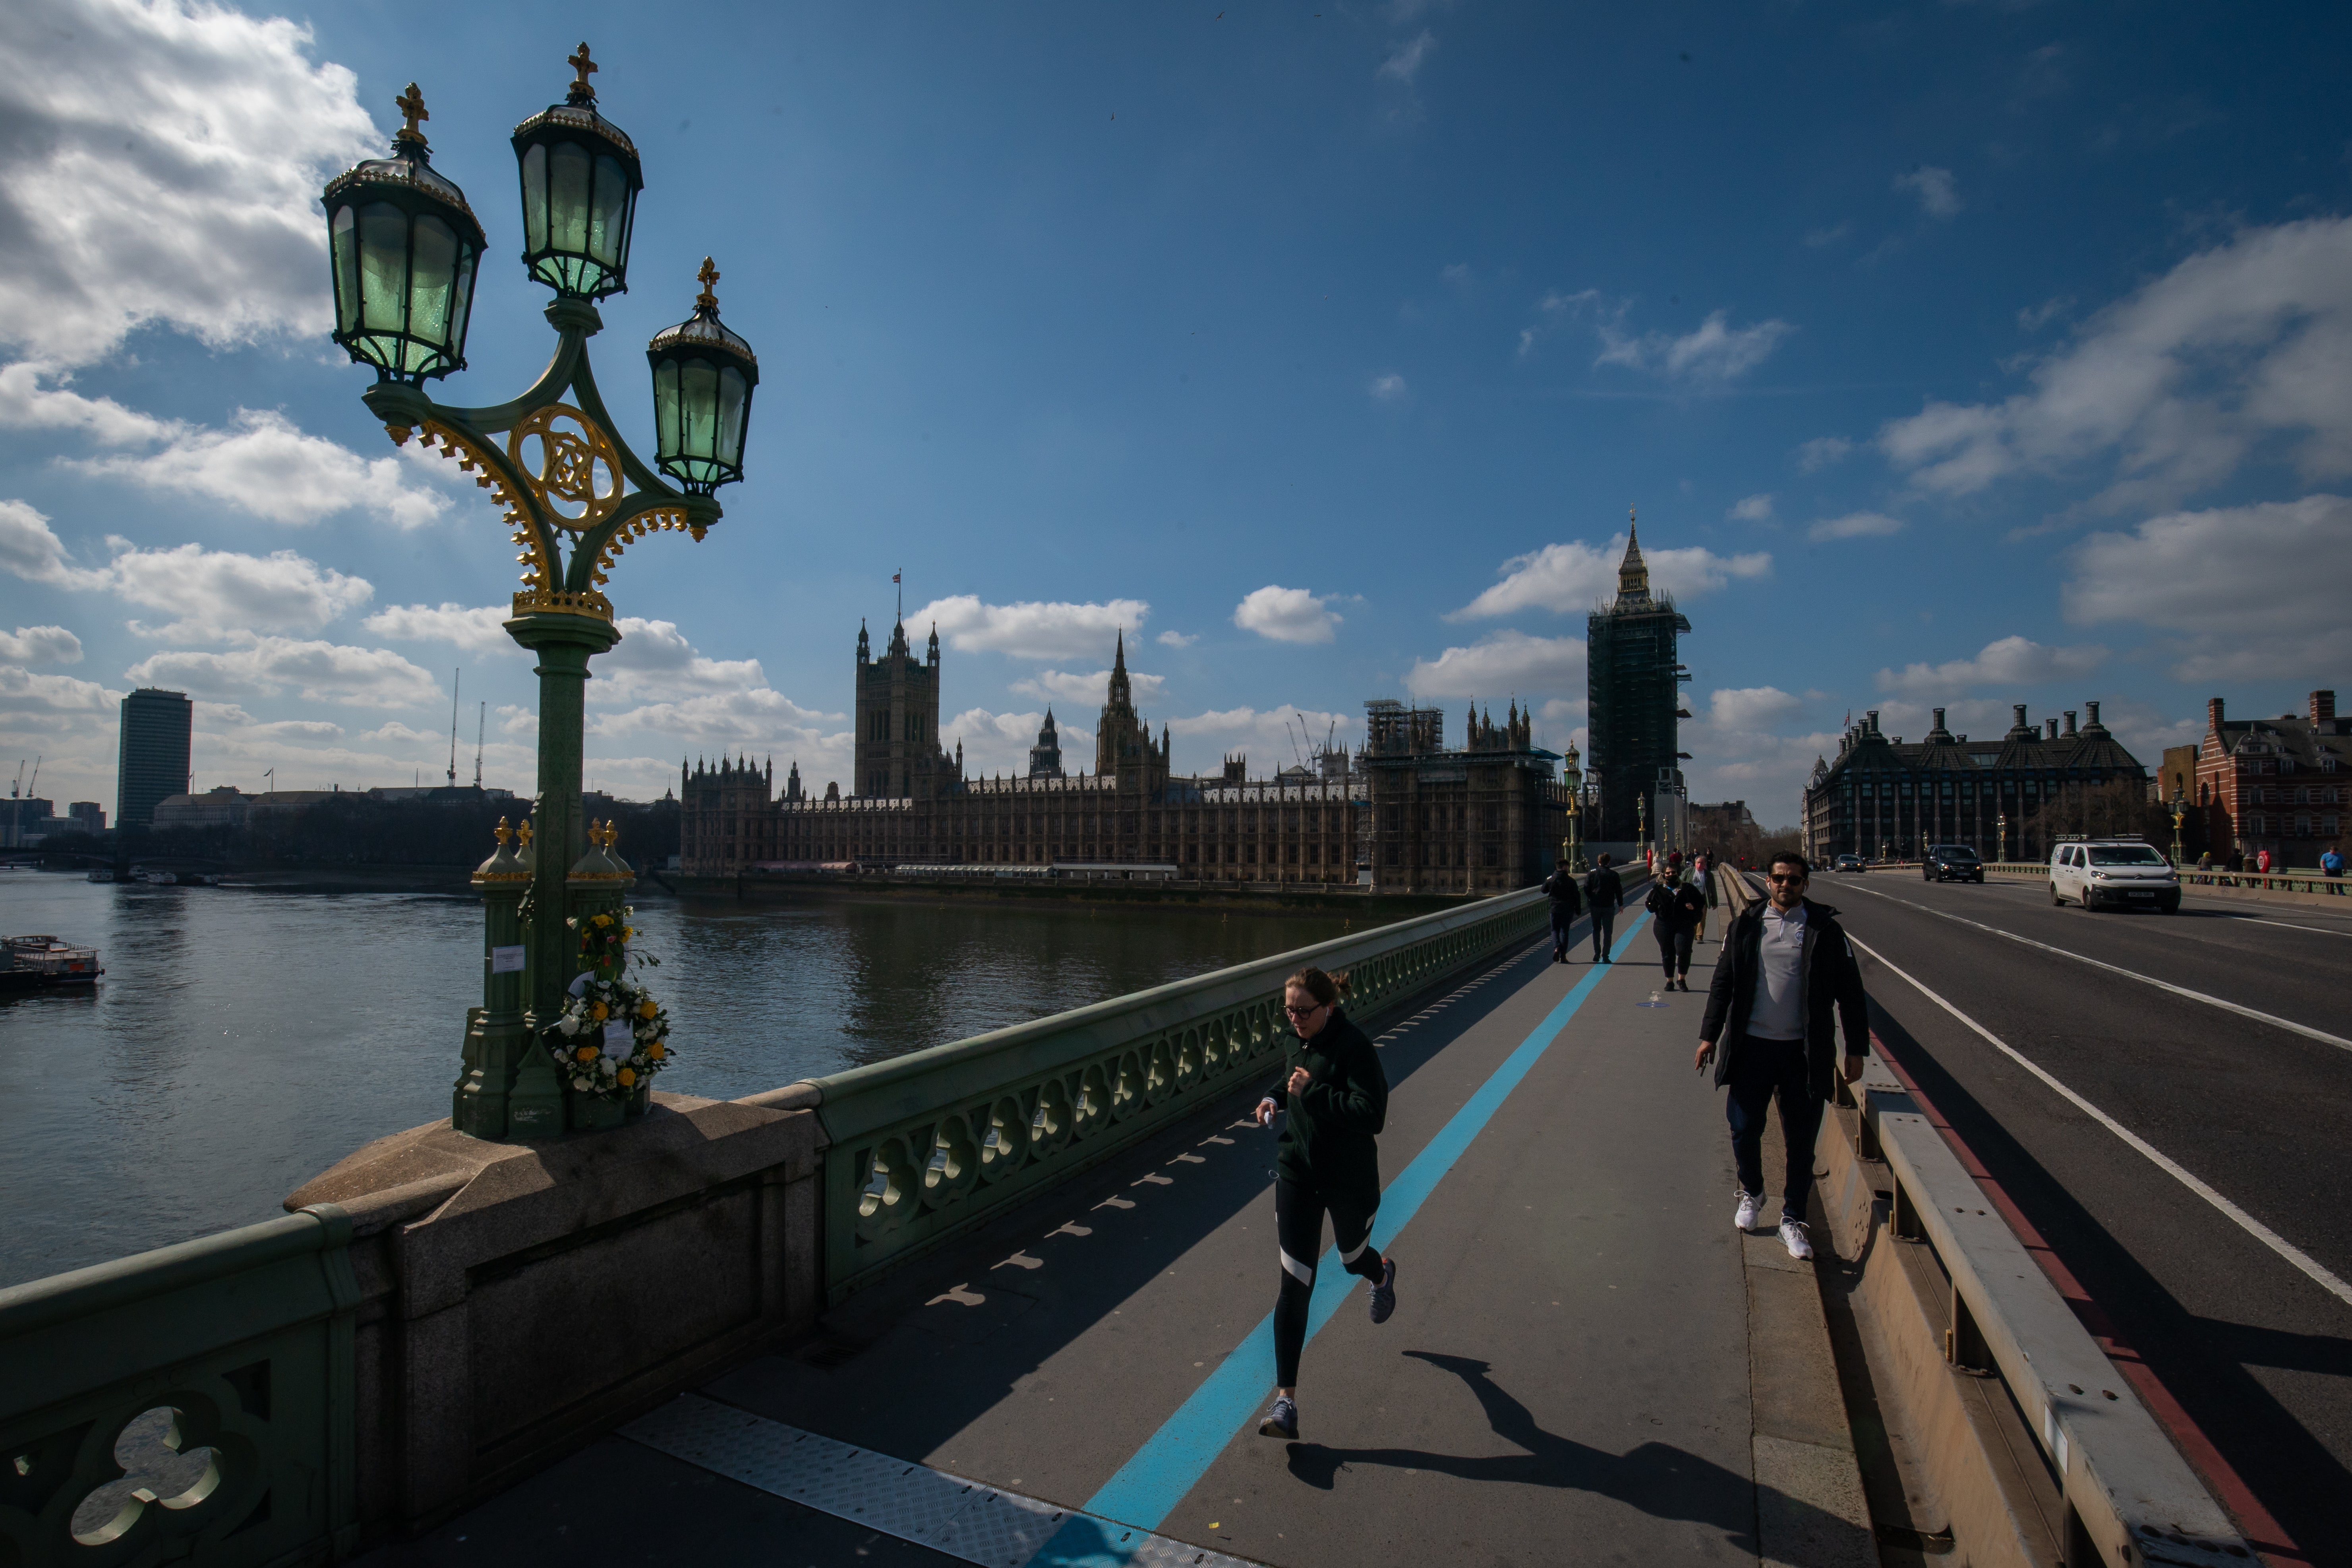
[(1401, 814)]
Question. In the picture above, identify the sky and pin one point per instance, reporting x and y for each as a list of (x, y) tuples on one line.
[(1953, 354)]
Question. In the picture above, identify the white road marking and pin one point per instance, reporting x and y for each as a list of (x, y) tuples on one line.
[(2170, 1167), (2322, 1035)]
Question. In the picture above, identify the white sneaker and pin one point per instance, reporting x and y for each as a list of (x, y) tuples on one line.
[(1743, 1218), (1793, 1237)]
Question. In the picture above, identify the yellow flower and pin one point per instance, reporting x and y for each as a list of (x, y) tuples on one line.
[(585, 1054), (626, 1075), (656, 1051), (645, 1010), (596, 1012), (603, 921)]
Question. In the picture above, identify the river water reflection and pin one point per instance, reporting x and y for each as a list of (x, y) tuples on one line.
[(243, 1041)]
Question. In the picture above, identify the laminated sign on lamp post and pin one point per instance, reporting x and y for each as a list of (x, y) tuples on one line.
[(405, 249)]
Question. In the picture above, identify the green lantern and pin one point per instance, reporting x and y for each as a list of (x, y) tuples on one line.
[(703, 377), (404, 245), (580, 183)]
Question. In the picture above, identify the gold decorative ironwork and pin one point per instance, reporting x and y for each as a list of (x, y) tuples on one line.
[(540, 601), (651, 522), (411, 105), (576, 470), (581, 64), (540, 569)]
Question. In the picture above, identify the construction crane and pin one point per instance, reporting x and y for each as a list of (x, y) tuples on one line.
[(456, 679), (481, 721)]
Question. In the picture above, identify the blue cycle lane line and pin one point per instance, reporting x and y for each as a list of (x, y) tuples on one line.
[(1147, 1487)]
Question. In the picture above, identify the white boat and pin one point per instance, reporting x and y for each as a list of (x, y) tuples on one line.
[(101, 875), (42, 962)]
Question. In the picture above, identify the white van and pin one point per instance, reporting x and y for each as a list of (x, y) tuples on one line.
[(2114, 873)]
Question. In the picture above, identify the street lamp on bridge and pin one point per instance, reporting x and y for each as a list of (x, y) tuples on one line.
[(405, 246), (2179, 809)]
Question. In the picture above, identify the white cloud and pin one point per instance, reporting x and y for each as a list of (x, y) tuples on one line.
[(654, 657), (1750, 707), (1712, 355), (270, 665), (1751, 509), (1856, 525), (2177, 384), (475, 630), (2009, 661), (1286, 614), (1073, 689), (1939, 198), (1820, 238), (1029, 629), (1821, 452), (1505, 663), (2253, 592), (161, 163), (1571, 578), (215, 593), (2041, 315), (999, 742), (1405, 59), (1176, 639), (40, 644), (269, 467), (1280, 736), (1387, 388), (27, 696), (761, 721)]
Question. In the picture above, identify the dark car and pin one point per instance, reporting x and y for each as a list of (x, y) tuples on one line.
[(1951, 863), (1847, 863)]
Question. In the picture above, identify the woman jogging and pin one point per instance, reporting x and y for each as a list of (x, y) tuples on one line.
[(1335, 1100)]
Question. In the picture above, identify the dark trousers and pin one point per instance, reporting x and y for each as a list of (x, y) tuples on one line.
[(1761, 1072), (1604, 931), (1563, 920), (1298, 1231), (1674, 949)]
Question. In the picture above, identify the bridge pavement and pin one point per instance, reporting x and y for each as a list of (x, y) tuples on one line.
[(1571, 1375)]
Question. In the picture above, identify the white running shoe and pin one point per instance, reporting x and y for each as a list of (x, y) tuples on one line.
[(1745, 1217), (1793, 1237)]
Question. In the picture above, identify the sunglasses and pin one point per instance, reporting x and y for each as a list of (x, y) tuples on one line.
[(1790, 877), (1307, 1011)]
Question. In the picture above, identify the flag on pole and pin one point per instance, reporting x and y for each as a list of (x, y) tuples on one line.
[(893, 576)]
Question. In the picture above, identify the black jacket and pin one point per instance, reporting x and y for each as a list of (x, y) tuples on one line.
[(1604, 891), (1560, 889), (1679, 908), (1829, 982), (1328, 1135)]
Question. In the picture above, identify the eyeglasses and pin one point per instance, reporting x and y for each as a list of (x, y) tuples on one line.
[(1792, 877), (1307, 1011)]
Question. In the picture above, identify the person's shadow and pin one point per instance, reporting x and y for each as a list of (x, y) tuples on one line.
[(1660, 1479)]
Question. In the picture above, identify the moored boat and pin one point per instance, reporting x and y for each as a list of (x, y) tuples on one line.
[(44, 964)]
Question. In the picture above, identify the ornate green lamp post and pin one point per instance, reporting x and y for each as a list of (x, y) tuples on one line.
[(2003, 820), (404, 246), (2179, 809), (1572, 850)]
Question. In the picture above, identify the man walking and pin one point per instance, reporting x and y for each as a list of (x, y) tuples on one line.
[(1786, 982), (1602, 893), (1560, 889), (1676, 907)]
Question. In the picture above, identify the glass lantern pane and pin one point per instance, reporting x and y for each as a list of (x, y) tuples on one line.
[(432, 279), (567, 217), (461, 305), (383, 266), (665, 413), (534, 198), (731, 393), (701, 388), (604, 225), (346, 243)]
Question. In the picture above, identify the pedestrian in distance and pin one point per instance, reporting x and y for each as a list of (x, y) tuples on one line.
[(2331, 864), (2205, 861), (1786, 984), (1676, 907), (1560, 889), (1334, 1099), (1703, 869), (1604, 891)]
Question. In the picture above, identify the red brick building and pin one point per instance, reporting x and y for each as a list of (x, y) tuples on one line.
[(2282, 785)]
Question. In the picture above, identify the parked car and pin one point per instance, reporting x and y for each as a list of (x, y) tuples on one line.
[(1847, 863), (2114, 873), (1950, 863)]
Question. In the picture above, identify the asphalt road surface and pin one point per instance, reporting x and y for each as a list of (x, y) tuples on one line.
[(2257, 1347)]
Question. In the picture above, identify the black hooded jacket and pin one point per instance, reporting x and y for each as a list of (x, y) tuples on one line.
[(1329, 1134), (1829, 979)]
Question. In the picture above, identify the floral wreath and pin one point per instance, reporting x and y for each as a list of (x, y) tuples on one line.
[(611, 1038)]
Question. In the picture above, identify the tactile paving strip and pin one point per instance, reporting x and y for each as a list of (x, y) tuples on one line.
[(966, 1519)]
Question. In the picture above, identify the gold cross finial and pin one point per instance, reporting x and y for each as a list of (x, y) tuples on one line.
[(524, 835), (503, 833), (706, 300), (411, 104), (583, 65)]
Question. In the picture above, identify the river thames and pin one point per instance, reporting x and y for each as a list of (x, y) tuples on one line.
[(242, 1041)]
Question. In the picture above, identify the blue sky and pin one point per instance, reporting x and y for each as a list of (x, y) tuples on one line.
[(1958, 354)]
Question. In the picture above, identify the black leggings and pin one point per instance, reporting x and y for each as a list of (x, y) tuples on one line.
[(1298, 1230), (1674, 947)]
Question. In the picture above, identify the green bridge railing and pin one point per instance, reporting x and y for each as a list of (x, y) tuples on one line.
[(931, 1145), (190, 1403)]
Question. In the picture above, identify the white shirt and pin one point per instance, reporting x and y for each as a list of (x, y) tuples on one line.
[(1777, 1010)]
